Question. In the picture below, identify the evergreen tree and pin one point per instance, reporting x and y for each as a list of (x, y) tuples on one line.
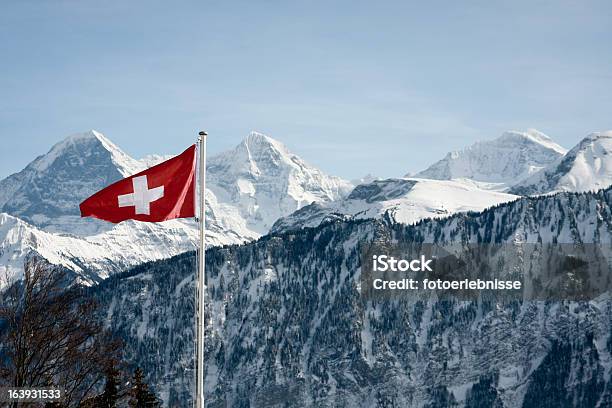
[(110, 395), (140, 395)]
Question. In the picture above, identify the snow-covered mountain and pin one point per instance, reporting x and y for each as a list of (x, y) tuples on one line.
[(586, 167), (48, 191), (406, 200), (499, 163), (248, 189), (95, 257), (262, 181), (286, 321), (287, 324)]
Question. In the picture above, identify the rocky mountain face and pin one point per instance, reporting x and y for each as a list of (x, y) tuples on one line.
[(500, 163), (262, 181), (406, 200), (249, 187), (287, 324), (586, 167), (48, 191)]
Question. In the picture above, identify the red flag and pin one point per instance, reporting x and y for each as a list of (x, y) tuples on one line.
[(160, 193)]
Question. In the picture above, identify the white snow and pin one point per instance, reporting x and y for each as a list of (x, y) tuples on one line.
[(498, 163), (94, 257), (261, 180), (406, 200), (248, 189), (586, 167), (125, 164)]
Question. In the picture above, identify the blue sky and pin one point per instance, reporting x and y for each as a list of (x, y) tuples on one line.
[(353, 87)]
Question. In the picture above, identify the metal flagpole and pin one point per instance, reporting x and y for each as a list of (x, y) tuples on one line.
[(201, 274)]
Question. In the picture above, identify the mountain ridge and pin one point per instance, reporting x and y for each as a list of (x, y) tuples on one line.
[(405, 200), (587, 166), (286, 323), (47, 192), (502, 161)]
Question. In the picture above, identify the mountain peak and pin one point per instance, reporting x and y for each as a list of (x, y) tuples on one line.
[(256, 153), (48, 191), (257, 141), (533, 136), (502, 161), (88, 135), (43, 162), (256, 137), (83, 138), (599, 135), (530, 133), (596, 141), (586, 167), (85, 143), (264, 181)]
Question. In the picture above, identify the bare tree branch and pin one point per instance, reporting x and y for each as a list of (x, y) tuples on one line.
[(50, 336)]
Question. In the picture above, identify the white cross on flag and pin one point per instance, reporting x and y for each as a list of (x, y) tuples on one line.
[(160, 193), (142, 197)]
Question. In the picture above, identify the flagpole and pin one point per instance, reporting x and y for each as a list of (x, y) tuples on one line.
[(201, 275)]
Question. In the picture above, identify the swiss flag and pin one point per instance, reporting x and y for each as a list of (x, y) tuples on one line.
[(160, 193)]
